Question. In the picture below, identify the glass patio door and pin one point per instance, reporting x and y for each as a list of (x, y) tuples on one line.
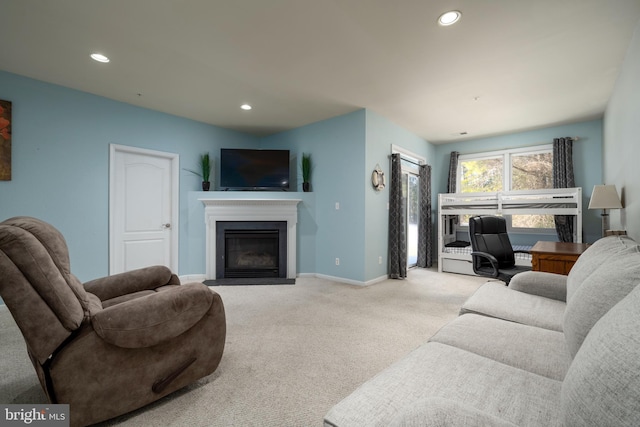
[(410, 195)]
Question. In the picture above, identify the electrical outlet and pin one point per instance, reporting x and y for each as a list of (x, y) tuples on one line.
[(337, 261), (379, 260), (337, 205)]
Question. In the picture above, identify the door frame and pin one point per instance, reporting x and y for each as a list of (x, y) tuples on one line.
[(418, 160), (175, 199)]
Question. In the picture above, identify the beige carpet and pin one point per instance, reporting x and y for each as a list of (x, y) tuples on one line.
[(292, 352)]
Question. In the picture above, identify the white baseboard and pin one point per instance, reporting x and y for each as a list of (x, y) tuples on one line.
[(350, 281), (377, 280), (192, 278)]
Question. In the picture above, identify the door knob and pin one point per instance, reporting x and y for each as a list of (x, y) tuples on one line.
[(167, 225)]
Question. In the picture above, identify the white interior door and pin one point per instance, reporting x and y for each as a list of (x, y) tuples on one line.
[(143, 205)]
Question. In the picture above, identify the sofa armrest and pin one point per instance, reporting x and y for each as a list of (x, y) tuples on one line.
[(440, 412), (548, 285), (155, 318), (147, 278)]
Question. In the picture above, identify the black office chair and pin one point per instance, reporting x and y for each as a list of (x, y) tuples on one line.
[(493, 255)]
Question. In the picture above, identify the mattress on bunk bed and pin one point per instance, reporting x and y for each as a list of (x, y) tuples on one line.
[(462, 250), (453, 264)]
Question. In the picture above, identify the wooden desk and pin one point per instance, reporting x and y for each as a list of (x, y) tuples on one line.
[(556, 257)]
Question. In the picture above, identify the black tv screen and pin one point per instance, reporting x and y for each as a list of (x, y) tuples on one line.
[(247, 169)]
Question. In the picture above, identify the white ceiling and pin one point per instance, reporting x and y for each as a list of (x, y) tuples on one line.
[(508, 65)]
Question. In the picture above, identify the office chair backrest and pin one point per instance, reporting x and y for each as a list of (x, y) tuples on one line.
[(489, 234)]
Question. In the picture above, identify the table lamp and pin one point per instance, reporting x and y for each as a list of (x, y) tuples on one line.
[(605, 197)]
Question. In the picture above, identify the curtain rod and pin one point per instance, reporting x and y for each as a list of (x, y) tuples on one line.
[(572, 138), (407, 159)]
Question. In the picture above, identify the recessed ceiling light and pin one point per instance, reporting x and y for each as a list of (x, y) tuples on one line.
[(449, 18), (246, 107), (99, 57)]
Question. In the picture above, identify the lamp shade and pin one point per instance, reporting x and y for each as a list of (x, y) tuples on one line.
[(604, 197)]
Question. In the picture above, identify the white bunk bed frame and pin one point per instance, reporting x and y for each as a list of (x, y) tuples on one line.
[(561, 201)]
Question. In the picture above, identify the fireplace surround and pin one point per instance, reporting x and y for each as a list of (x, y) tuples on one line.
[(254, 210)]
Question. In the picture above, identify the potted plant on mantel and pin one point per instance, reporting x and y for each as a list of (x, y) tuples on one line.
[(306, 172), (205, 171)]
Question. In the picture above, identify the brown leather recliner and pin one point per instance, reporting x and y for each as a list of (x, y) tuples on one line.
[(113, 344)]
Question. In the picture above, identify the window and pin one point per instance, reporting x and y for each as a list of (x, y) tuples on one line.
[(481, 175), (519, 169), (532, 171)]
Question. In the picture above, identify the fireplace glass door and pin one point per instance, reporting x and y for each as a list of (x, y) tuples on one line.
[(251, 253), (249, 249)]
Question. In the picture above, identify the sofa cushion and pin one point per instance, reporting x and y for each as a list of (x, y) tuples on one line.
[(437, 412), (602, 386), (437, 370), (496, 300), (540, 283), (541, 351), (600, 291), (596, 255)]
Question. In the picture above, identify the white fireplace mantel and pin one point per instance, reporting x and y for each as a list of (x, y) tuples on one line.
[(250, 210)]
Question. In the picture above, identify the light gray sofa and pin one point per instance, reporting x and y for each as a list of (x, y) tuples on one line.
[(548, 350)]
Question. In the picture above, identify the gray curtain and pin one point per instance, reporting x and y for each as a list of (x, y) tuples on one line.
[(452, 220), (397, 232), (425, 235), (563, 178), (453, 172)]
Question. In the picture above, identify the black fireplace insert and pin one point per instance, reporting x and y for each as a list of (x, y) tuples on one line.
[(251, 249)]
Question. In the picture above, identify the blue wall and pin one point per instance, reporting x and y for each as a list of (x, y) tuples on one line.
[(381, 135), (587, 154), (60, 156), (61, 143), (337, 148), (345, 151)]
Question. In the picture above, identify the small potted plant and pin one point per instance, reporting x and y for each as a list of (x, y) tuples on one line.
[(205, 171), (306, 172)]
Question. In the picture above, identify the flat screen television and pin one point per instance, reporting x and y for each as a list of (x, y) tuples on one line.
[(247, 169)]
